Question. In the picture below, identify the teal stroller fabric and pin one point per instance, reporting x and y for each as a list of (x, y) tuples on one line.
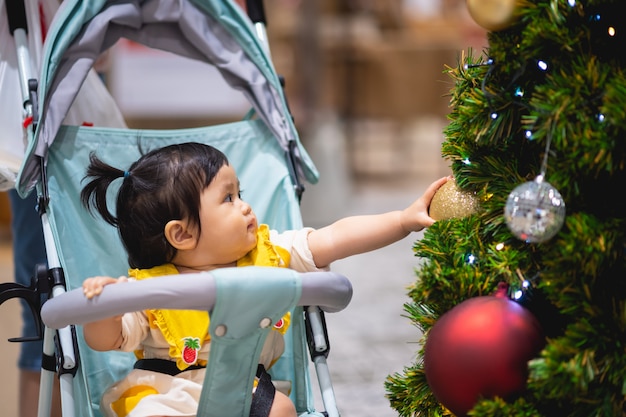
[(265, 150), (87, 246)]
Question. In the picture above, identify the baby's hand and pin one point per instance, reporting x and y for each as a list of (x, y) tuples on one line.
[(415, 217), (93, 286)]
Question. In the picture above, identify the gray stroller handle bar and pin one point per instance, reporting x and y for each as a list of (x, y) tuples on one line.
[(330, 291)]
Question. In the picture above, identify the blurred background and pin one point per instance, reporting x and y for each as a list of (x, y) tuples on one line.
[(366, 83), (375, 67)]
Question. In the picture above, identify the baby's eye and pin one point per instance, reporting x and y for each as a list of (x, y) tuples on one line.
[(231, 197)]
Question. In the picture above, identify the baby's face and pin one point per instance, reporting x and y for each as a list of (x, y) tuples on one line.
[(228, 223)]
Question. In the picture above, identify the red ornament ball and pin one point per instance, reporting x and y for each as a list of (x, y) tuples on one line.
[(480, 349)]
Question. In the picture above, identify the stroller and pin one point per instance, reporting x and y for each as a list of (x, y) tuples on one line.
[(271, 163)]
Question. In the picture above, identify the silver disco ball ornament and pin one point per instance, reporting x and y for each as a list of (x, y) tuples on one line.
[(535, 211)]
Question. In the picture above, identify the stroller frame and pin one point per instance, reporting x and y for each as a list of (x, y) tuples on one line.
[(281, 289)]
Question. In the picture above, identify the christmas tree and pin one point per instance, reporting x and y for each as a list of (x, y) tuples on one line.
[(537, 145)]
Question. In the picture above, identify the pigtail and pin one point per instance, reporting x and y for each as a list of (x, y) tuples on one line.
[(94, 194)]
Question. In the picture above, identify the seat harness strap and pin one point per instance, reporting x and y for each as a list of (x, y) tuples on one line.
[(163, 366), (263, 397)]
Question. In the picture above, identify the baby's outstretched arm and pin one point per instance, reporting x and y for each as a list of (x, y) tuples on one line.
[(105, 334), (359, 234)]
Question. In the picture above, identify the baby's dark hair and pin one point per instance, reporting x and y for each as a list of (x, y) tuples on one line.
[(164, 184)]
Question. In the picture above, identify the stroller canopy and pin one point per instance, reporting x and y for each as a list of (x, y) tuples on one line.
[(211, 31)]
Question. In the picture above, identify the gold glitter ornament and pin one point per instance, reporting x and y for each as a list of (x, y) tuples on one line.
[(493, 15), (450, 202)]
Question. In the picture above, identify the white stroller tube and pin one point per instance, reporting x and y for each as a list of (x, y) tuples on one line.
[(65, 341), (317, 329), (64, 334), (321, 367), (261, 33), (326, 388), (23, 63)]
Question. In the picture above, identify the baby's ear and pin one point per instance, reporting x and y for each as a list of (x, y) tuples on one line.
[(180, 235)]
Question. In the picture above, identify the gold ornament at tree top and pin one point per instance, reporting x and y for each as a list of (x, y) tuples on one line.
[(493, 15), (451, 202)]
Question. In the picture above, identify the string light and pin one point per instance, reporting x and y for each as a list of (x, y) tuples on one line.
[(480, 64), (542, 65), (611, 31)]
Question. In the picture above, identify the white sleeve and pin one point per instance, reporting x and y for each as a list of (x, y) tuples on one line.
[(135, 328), (297, 244)]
